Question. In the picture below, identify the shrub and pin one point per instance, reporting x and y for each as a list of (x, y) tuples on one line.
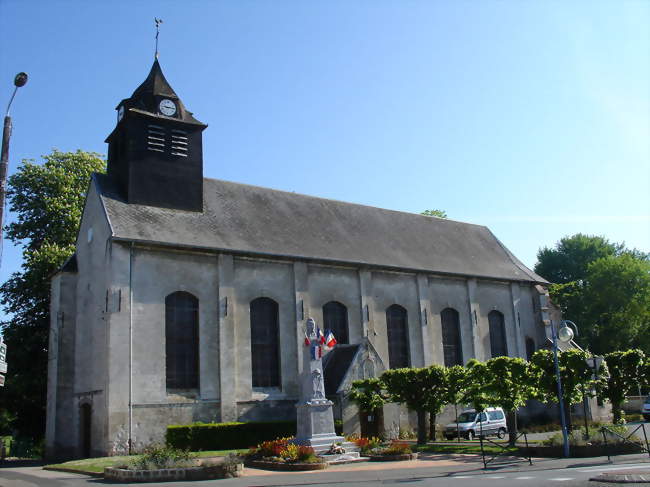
[(156, 457), (226, 436), (577, 437)]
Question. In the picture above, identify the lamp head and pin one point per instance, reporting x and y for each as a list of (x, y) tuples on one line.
[(20, 80), (565, 334)]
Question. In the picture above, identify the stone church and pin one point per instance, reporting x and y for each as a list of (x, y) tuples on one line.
[(187, 296)]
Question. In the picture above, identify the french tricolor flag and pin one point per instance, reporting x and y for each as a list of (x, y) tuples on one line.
[(321, 337), (330, 341)]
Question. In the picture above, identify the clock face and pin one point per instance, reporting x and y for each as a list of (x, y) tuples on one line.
[(120, 113), (167, 107)]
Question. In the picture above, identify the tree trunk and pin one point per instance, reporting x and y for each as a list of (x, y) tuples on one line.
[(511, 422), (432, 426), (616, 411), (422, 427)]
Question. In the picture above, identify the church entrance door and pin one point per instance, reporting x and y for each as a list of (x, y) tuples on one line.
[(86, 423), (371, 424)]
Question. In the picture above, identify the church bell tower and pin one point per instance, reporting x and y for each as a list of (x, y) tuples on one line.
[(155, 153)]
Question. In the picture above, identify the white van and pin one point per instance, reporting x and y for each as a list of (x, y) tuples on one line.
[(471, 424)]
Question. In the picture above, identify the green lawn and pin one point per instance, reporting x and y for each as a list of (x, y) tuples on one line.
[(97, 465)]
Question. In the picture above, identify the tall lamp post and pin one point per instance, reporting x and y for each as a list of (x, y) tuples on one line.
[(565, 335), (19, 80)]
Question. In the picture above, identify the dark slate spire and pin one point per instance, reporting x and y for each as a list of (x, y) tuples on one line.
[(154, 88)]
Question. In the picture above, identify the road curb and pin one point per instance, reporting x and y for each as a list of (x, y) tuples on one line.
[(623, 478), (74, 470)]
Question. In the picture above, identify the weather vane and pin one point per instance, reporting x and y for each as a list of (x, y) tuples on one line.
[(158, 22)]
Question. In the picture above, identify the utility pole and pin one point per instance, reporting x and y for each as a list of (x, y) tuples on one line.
[(19, 80)]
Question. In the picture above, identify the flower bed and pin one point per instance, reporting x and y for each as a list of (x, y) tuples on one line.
[(282, 454), (164, 464), (395, 451)]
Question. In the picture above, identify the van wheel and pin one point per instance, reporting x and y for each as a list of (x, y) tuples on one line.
[(501, 434), (470, 435)]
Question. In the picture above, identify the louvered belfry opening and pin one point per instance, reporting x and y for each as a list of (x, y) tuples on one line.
[(451, 344), (182, 340), (179, 143), (155, 138), (265, 349), (498, 345), (335, 318), (398, 344)]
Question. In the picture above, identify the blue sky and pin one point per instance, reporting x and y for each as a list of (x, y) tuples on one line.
[(532, 118)]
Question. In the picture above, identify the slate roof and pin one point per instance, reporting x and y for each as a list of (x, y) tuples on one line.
[(251, 220), (335, 364)]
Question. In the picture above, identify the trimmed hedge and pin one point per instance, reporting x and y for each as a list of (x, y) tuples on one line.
[(227, 436), (230, 436)]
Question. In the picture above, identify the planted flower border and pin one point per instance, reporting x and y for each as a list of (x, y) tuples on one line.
[(282, 454)]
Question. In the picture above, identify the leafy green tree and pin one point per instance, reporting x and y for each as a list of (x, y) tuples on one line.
[(616, 298), (407, 386), (435, 394), (625, 375), (602, 286), (569, 260), (438, 213), (47, 200), (475, 391), (577, 377), (511, 381), (368, 394), (456, 382)]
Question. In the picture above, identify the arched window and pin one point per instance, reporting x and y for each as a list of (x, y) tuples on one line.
[(498, 345), (530, 348), (451, 337), (265, 350), (335, 318), (398, 342), (182, 340)]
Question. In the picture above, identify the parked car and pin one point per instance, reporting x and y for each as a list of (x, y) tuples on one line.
[(645, 408), (471, 424)]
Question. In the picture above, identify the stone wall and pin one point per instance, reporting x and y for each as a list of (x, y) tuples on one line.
[(119, 350)]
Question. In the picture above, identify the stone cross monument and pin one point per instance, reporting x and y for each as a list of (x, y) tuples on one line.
[(315, 424)]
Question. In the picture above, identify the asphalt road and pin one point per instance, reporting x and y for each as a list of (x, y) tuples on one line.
[(546, 473)]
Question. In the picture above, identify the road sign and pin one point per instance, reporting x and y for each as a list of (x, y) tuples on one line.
[(3, 352), (3, 367), (2, 380)]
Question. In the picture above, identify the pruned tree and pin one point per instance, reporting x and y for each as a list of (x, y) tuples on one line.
[(435, 394), (511, 381), (407, 386), (456, 382), (625, 374)]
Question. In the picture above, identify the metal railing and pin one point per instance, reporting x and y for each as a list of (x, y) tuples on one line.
[(505, 448), (626, 439)]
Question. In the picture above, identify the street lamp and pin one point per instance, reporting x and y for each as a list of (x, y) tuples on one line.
[(565, 335), (19, 80)]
